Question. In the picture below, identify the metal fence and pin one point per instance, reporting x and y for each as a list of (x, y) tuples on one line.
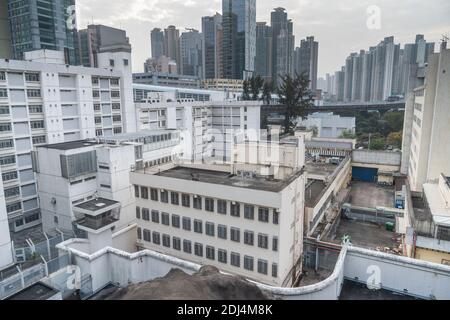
[(46, 249)]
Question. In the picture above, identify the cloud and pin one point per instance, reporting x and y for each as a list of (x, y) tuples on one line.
[(338, 25)]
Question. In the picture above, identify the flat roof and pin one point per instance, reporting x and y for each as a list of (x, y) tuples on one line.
[(96, 204), (320, 168), (313, 192), (329, 144), (433, 244), (136, 135), (438, 207), (227, 179), (71, 145), (37, 291)]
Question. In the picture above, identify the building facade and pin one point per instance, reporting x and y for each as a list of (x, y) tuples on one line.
[(45, 103), (157, 43), (5, 34), (239, 38), (282, 44), (191, 53), (172, 46), (264, 51), (307, 57), (212, 33), (39, 25)]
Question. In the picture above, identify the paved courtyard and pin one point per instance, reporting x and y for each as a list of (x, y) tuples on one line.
[(370, 195)]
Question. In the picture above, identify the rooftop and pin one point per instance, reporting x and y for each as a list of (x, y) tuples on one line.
[(438, 207), (71, 145), (357, 291), (97, 204), (38, 291), (227, 179), (320, 168), (313, 192)]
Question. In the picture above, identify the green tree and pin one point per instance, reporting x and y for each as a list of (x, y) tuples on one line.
[(295, 95), (246, 90), (347, 134), (256, 85), (267, 92), (395, 139), (377, 144)]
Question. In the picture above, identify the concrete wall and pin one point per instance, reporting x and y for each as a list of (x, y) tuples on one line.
[(388, 158), (5, 241)]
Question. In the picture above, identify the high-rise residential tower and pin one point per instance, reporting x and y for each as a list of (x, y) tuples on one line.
[(239, 38), (306, 60), (212, 40), (264, 53), (39, 24), (282, 44), (191, 53), (157, 42), (172, 47), (5, 35)]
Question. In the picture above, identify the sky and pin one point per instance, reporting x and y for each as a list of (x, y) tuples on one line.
[(340, 26)]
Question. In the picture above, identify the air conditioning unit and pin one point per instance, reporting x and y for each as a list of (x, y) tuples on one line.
[(53, 201)]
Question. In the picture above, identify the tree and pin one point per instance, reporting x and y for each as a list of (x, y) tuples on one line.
[(377, 144), (295, 95), (256, 85), (395, 139), (245, 90), (267, 92), (315, 131), (347, 134)]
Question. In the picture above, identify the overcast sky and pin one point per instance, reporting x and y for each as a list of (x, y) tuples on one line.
[(340, 26)]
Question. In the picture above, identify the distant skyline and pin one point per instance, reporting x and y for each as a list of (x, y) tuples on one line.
[(338, 25)]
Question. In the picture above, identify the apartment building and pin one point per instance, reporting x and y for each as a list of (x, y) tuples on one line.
[(70, 173), (329, 125), (6, 258), (208, 128), (426, 135), (44, 101), (248, 223)]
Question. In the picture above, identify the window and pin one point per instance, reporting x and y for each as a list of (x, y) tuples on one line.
[(116, 106), (7, 160), (145, 214), (235, 259), (262, 266), (3, 109), (111, 62), (186, 224), (198, 202), (275, 244), (136, 191), (263, 214), (35, 109), (6, 144), (138, 213), (5, 127), (125, 62), (174, 198), (155, 216), (210, 253), (198, 249), (117, 118), (98, 133), (114, 82), (97, 107), (209, 229), (117, 130), (222, 231), (97, 120), (144, 192), (33, 93), (175, 221), (3, 93), (263, 240), (198, 226), (94, 80), (156, 238), (176, 243), (275, 217), (222, 255), (249, 212), (115, 94), (235, 234), (7, 176), (13, 207), (274, 270), (37, 124), (209, 204), (2, 75), (39, 140), (32, 77), (165, 219), (147, 235), (166, 240), (222, 206), (187, 246), (186, 200), (11, 192), (139, 233), (154, 194), (235, 210), (249, 237), (165, 196), (95, 94), (248, 263)]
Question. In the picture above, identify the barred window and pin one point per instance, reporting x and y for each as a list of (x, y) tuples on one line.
[(262, 266), (6, 144), (187, 246), (136, 191), (222, 231), (156, 238), (139, 233), (209, 204), (275, 217), (198, 202), (222, 206), (7, 160), (235, 259), (263, 240), (147, 235), (154, 194), (138, 212), (249, 212), (145, 214), (210, 253), (235, 234), (175, 221), (186, 223), (235, 210), (165, 219), (275, 244), (33, 93), (198, 226), (248, 263), (155, 216), (222, 255), (144, 192), (186, 200), (39, 140), (198, 249), (263, 214), (174, 197), (166, 240), (176, 242), (165, 196), (274, 270), (7, 176), (3, 93), (35, 109), (249, 237), (209, 229)]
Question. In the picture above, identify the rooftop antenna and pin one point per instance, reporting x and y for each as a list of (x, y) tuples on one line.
[(444, 41)]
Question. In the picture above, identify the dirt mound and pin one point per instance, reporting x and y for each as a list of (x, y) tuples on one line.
[(207, 284)]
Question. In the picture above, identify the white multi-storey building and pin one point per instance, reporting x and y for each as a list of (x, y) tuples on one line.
[(329, 125), (243, 219), (426, 134), (70, 173), (209, 128), (43, 100), (6, 258)]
